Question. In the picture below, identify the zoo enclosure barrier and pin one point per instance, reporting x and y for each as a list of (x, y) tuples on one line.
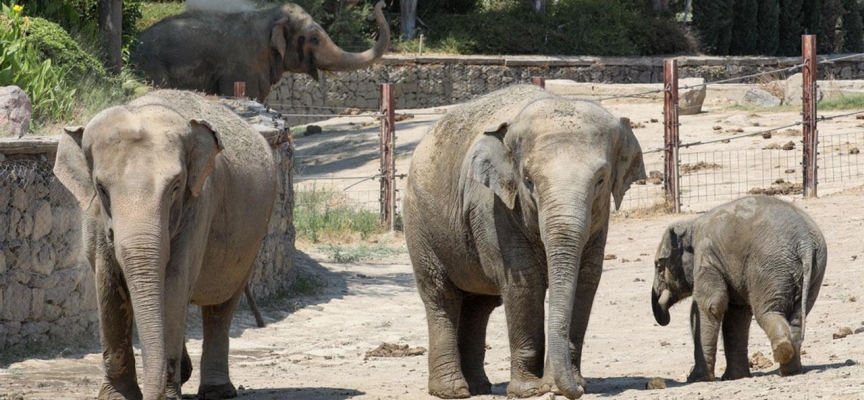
[(694, 177)]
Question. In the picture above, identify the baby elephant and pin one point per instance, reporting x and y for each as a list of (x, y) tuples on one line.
[(753, 256)]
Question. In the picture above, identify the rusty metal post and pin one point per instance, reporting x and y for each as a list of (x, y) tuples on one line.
[(240, 89), (536, 80), (670, 133), (388, 161), (809, 115)]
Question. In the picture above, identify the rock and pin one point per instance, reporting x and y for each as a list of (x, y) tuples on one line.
[(15, 112), (759, 361), (859, 330), (766, 135), (656, 383), (843, 332), (760, 98), (795, 90), (313, 130), (690, 100), (42, 220)]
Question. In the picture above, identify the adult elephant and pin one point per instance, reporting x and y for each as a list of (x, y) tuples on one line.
[(509, 195), (209, 50), (176, 194)]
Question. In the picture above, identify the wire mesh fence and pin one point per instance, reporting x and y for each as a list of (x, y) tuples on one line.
[(840, 161), (25, 173)]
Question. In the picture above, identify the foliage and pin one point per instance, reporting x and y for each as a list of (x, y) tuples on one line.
[(713, 20), (153, 12), (321, 213), (21, 65), (596, 27), (790, 27), (744, 40), (55, 44), (851, 102), (351, 254), (767, 26), (853, 31), (830, 39)]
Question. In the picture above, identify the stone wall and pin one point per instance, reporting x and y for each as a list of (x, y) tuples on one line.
[(46, 286), (433, 81)]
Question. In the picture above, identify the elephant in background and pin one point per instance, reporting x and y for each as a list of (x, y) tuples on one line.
[(757, 255), (208, 49), (176, 193), (506, 196)]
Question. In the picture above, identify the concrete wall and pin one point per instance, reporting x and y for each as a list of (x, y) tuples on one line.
[(46, 287), (433, 81)]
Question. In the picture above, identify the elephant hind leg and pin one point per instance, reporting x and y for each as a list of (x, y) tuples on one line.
[(215, 382), (473, 320), (185, 366), (736, 332), (793, 366), (780, 335)]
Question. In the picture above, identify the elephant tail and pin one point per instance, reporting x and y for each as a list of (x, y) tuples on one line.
[(808, 260)]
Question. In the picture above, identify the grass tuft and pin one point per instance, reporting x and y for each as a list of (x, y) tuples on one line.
[(326, 214)]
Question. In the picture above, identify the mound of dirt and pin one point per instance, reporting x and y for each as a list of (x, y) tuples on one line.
[(699, 166), (395, 350), (759, 361), (779, 187)]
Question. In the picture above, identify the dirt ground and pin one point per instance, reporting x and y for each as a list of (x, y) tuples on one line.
[(315, 346)]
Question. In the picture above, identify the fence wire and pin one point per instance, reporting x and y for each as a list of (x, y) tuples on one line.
[(25, 173), (839, 161)]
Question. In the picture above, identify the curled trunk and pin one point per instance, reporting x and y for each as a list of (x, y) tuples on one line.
[(660, 306), (333, 58)]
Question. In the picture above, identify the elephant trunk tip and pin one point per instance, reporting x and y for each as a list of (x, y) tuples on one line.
[(568, 386), (660, 306)]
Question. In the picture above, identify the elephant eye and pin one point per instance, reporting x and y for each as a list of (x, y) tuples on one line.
[(175, 189), (314, 40), (529, 184), (106, 199)]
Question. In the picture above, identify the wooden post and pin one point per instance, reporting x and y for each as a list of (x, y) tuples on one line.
[(240, 89), (811, 134), (388, 161), (670, 133), (539, 81)]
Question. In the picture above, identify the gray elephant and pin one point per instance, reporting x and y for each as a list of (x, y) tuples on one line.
[(506, 196), (209, 50), (176, 193), (753, 256)]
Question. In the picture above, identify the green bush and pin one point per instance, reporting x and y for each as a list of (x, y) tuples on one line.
[(55, 44), (21, 64), (767, 26), (853, 31)]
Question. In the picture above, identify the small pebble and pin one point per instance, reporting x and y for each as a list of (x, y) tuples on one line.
[(843, 332), (656, 383)]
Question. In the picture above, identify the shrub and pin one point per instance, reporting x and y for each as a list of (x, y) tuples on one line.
[(321, 213), (21, 64), (55, 44), (767, 26), (853, 31)]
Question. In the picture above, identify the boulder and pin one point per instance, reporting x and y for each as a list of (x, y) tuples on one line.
[(15, 112), (690, 100), (795, 90), (760, 98)]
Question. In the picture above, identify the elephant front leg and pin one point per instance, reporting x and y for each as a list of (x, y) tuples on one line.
[(736, 332), (177, 295), (115, 332), (215, 381), (705, 318), (523, 306)]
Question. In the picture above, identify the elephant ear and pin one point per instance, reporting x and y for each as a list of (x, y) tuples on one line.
[(675, 238), (628, 166), (277, 36), (71, 166), (490, 164), (205, 145)]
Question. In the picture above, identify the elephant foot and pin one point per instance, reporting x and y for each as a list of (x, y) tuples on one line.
[(783, 350), (129, 391), (479, 385), (527, 387), (793, 367), (449, 390), (216, 392), (733, 374), (700, 375)]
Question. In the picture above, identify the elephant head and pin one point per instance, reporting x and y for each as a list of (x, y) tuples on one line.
[(304, 47), (673, 275), (133, 172), (556, 165)]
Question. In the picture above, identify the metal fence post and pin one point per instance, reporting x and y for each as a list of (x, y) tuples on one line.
[(388, 161), (536, 80), (240, 89), (809, 116), (670, 133)]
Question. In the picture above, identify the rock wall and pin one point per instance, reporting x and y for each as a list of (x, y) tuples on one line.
[(433, 81), (47, 289)]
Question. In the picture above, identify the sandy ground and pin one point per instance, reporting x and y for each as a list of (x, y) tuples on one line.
[(314, 347)]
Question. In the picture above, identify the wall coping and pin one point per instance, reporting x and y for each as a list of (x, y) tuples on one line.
[(586, 61)]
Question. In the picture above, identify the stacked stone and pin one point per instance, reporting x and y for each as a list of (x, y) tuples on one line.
[(46, 289)]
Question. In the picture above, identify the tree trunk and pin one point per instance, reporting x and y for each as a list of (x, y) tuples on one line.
[(408, 23), (538, 6), (111, 28)]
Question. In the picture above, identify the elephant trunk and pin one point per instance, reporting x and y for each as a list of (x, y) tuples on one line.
[(333, 58), (564, 224), (142, 253), (660, 306)]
